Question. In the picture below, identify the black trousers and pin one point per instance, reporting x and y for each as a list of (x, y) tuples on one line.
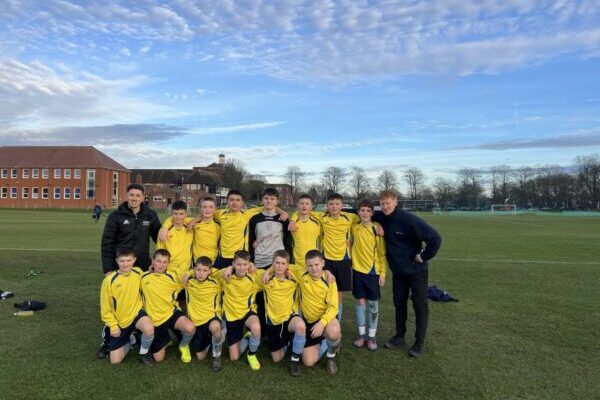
[(415, 284)]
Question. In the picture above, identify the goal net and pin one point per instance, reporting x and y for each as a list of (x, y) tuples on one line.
[(504, 209)]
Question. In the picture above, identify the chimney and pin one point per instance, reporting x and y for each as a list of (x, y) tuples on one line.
[(221, 158)]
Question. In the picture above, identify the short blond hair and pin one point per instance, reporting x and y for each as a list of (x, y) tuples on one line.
[(388, 194)]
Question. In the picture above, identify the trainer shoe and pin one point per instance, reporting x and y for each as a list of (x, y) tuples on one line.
[(416, 350), (295, 368), (395, 341), (253, 361), (186, 357), (147, 359), (331, 366), (217, 364), (372, 344), (103, 352), (359, 341)]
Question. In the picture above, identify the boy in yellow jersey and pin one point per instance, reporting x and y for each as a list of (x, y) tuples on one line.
[(179, 243), (281, 302), (121, 309), (336, 225), (307, 235), (239, 309), (206, 231), (319, 305), (160, 288), (203, 292), (368, 273)]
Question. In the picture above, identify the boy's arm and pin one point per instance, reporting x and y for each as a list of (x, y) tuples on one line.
[(381, 260), (425, 233), (106, 312), (251, 212), (332, 304)]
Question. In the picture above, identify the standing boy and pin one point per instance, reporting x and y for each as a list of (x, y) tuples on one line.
[(121, 309), (368, 273), (307, 233), (206, 231)]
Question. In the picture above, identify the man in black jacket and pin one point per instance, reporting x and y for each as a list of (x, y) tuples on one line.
[(404, 235), (131, 225)]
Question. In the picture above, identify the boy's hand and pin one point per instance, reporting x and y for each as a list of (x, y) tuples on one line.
[(151, 268), (283, 216), (418, 259), (379, 230), (251, 268), (266, 276), (226, 274), (185, 278), (192, 223), (115, 332), (163, 234), (381, 280), (292, 226), (330, 277), (317, 330)]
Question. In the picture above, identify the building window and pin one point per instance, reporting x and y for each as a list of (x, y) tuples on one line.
[(44, 193), (57, 193), (25, 173), (35, 173), (25, 193), (4, 193), (13, 173), (13, 192), (67, 173), (157, 198), (5, 172), (35, 193), (44, 173), (77, 193), (56, 173), (67, 193), (77, 173), (91, 184)]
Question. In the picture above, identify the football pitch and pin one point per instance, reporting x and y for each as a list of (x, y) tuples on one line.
[(527, 324)]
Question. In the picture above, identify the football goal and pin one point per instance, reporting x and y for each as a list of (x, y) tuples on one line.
[(504, 209)]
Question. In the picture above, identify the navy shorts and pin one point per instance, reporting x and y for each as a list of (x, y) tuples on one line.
[(123, 338), (221, 262), (278, 336), (202, 337), (365, 286), (235, 329), (342, 270), (161, 333), (310, 341)]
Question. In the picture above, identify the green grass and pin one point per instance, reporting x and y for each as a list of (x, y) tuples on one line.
[(526, 325)]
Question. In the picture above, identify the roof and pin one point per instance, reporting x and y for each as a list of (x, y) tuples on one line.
[(175, 176), (56, 157)]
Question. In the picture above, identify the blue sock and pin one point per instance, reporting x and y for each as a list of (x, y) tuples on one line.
[(360, 318), (373, 317), (322, 348), (185, 339), (243, 345), (298, 344), (332, 348), (340, 309), (254, 342), (146, 342), (217, 345)]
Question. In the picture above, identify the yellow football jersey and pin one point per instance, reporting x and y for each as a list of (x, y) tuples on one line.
[(160, 294), (206, 239), (318, 298), (179, 245), (239, 295), (120, 298), (281, 299), (368, 250), (203, 299), (306, 237), (234, 229)]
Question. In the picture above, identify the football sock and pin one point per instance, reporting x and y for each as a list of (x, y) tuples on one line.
[(146, 342), (373, 306)]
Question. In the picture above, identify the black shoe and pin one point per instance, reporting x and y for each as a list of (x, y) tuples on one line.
[(331, 366), (103, 352), (147, 359), (217, 364), (395, 341), (416, 350), (295, 368)]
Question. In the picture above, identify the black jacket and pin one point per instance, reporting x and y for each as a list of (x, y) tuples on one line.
[(125, 229), (404, 236)]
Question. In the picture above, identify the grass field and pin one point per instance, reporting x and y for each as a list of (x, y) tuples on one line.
[(527, 324)]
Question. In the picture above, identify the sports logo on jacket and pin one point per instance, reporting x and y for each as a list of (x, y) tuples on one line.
[(126, 222)]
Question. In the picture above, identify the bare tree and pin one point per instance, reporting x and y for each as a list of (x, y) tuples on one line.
[(501, 182), (387, 180), (589, 175), (415, 180), (359, 182), (233, 174), (469, 187), (295, 178), (443, 190), (333, 179)]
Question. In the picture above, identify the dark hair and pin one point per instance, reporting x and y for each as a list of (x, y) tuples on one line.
[(313, 254), (335, 196), (235, 192), (204, 261), (306, 196), (161, 252), (179, 205), (271, 192), (208, 198), (365, 203), (135, 186), (125, 252), (243, 254), (282, 254)]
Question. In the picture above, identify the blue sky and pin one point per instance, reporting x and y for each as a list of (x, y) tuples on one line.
[(440, 85)]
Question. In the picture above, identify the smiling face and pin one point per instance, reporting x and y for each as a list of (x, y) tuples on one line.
[(315, 267), (270, 202), (240, 267), (135, 197), (365, 214), (125, 263), (235, 202), (207, 209), (160, 263)]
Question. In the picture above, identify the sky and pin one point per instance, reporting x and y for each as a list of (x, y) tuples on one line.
[(440, 85)]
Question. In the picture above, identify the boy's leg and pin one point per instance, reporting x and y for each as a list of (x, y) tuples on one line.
[(373, 307), (118, 355), (253, 324), (418, 286), (104, 349), (217, 331), (187, 329), (235, 333), (361, 322), (310, 356), (298, 327), (144, 324), (333, 335)]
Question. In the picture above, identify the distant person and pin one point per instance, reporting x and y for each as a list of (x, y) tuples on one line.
[(97, 212), (410, 243), (131, 225)]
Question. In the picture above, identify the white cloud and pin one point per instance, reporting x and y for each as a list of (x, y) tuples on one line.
[(235, 128)]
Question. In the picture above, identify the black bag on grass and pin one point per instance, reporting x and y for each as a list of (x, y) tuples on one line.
[(31, 305), (436, 294)]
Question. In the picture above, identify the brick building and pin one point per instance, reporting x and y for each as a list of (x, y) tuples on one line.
[(60, 177)]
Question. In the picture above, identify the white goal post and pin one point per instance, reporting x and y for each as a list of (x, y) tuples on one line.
[(504, 209)]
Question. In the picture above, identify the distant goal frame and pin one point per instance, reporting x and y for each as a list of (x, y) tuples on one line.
[(503, 209)]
